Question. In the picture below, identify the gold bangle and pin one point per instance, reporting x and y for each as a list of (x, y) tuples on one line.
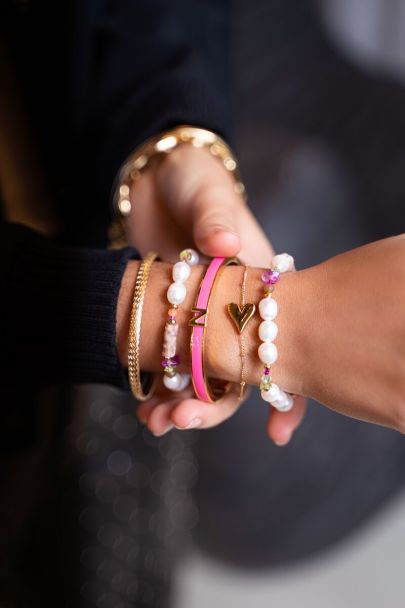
[(158, 145), (165, 143), (210, 391), (134, 368)]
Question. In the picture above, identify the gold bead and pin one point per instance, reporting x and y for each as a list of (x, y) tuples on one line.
[(230, 163), (124, 206)]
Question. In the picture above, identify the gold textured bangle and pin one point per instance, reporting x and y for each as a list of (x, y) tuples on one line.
[(165, 143), (134, 367)]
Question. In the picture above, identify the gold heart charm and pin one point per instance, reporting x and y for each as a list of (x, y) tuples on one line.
[(241, 315)]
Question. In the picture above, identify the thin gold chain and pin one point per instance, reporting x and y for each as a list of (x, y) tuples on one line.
[(242, 339), (134, 367)]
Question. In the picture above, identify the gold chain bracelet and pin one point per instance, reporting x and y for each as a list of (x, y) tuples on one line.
[(134, 367), (158, 145)]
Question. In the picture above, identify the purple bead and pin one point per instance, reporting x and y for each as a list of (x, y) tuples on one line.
[(266, 371), (171, 362), (274, 277), (270, 277), (266, 277)]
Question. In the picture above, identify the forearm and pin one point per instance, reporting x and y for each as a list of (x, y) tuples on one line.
[(341, 330)]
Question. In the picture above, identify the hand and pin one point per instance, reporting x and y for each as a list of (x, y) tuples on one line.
[(188, 199)]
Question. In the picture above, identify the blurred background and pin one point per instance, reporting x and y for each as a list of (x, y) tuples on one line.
[(117, 518)]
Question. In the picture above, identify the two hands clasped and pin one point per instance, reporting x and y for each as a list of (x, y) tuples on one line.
[(341, 337)]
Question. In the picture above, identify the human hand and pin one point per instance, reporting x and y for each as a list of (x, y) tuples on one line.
[(189, 198)]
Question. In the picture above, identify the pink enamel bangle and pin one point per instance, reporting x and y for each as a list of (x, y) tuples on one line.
[(203, 390)]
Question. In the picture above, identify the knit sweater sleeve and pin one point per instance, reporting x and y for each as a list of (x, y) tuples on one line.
[(58, 310), (159, 64)]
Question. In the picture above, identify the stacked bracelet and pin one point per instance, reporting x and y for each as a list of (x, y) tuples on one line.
[(268, 330), (134, 369), (205, 391), (241, 315), (176, 293)]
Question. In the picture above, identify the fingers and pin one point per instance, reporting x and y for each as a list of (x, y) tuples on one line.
[(224, 225), (215, 219), (192, 413), (281, 425), (159, 422), (164, 412), (161, 397)]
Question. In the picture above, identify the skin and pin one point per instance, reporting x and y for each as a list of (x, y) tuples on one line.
[(341, 337), (341, 323), (187, 198), (166, 409)]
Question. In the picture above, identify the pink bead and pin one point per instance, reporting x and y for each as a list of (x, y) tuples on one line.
[(170, 340)]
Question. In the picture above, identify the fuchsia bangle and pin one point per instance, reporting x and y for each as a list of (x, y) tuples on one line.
[(198, 324)]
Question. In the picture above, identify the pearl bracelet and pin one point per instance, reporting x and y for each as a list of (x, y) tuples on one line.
[(176, 294), (268, 331)]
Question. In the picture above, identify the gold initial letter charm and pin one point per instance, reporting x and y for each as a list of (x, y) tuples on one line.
[(199, 314)]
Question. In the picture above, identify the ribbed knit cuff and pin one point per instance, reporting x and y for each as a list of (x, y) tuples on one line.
[(62, 312)]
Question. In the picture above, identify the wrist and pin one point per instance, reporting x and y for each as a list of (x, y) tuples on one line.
[(293, 369)]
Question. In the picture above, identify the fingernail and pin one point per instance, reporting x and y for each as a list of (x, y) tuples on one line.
[(166, 430), (196, 422), (208, 230), (282, 442)]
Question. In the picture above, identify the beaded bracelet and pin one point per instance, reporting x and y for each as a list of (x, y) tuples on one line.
[(268, 330), (176, 293)]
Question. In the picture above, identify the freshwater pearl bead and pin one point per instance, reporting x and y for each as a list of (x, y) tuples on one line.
[(190, 256), (185, 380), (181, 272), (272, 394), (282, 261), (268, 331), (176, 293), (284, 402), (177, 382), (268, 353), (268, 309), (194, 258), (173, 383)]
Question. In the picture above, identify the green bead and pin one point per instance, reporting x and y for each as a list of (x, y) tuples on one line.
[(265, 383), (185, 255)]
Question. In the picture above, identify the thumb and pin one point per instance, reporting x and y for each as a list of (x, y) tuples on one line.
[(215, 215)]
